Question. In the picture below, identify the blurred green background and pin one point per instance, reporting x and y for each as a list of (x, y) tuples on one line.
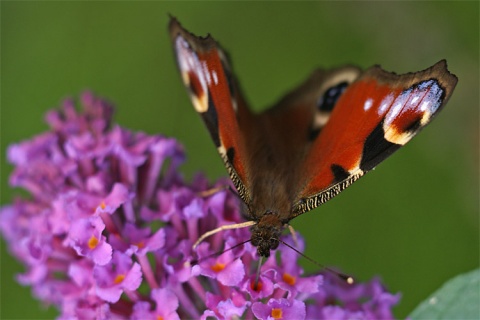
[(414, 221)]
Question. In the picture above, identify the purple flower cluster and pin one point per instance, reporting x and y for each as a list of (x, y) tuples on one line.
[(107, 232)]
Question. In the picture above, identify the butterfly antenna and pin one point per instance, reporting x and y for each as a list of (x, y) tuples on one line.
[(216, 254), (348, 279), (257, 276)]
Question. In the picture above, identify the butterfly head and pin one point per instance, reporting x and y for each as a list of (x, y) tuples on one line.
[(266, 233)]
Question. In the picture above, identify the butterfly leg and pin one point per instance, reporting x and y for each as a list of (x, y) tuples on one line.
[(294, 235), (226, 227), (212, 191)]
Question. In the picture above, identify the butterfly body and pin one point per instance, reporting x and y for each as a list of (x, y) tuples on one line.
[(316, 141)]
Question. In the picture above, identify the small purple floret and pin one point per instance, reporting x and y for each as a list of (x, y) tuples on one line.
[(108, 227)]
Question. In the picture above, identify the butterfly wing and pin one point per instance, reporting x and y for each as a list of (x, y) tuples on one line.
[(374, 117), (318, 139), (304, 111), (213, 90)]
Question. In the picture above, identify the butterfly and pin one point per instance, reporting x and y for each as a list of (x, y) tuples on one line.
[(316, 141)]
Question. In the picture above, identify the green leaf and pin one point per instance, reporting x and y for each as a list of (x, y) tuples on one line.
[(459, 298)]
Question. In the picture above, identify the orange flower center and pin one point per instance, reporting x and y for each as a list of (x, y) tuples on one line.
[(103, 205), (140, 244), (119, 278), (257, 287), (289, 279), (92, 242), (217, 267), (276, 313)]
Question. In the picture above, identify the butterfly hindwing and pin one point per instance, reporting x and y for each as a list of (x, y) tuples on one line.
[(374, 117), (307, 108)]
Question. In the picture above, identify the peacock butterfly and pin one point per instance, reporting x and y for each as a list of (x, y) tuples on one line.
[(316, 141)]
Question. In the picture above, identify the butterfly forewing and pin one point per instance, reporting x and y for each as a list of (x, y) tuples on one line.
[(206, 73)]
